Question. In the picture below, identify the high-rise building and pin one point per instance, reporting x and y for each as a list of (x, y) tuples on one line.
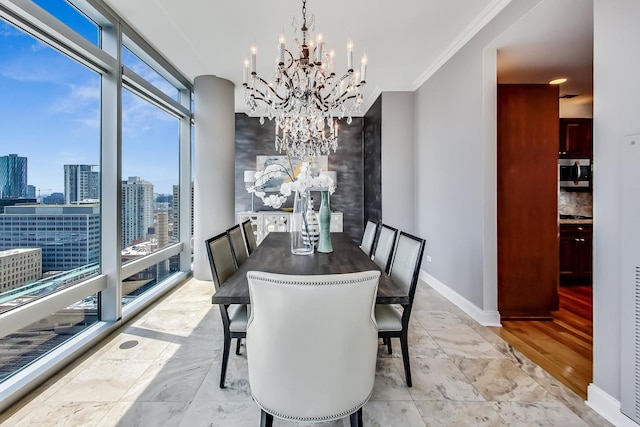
[(19, 266), (137, 209), (162, 239), (31, 191), (175, 212), (13, 176), (81, 182), (68, 235), (53, 199)]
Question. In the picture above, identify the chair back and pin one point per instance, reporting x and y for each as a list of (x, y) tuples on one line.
[(312, 343), (406, 264), (368, 237), (249, 236), (384, 247), (221, 258), (237, 244)]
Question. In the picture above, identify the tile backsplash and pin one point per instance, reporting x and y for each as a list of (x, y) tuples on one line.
[(575, 203)]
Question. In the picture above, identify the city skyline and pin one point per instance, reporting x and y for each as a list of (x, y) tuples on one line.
[(62, 192), (50, 112)]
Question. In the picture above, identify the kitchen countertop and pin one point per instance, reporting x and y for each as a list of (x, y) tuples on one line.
[(576, 221)]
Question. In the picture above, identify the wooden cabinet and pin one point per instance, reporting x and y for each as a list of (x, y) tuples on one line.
[(575, 138), (576, 259), (527, 201)]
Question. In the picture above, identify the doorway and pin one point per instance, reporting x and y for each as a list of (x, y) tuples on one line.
[(532, 51)]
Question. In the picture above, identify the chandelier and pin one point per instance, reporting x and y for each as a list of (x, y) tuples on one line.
[(305, 97)]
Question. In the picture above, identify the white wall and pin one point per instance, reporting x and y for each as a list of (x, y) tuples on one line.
[(398, 160), (616, 114), (453, 210), (569, 109)]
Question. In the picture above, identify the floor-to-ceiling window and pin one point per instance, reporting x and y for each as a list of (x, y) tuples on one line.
[(77, 84), (49, 148)]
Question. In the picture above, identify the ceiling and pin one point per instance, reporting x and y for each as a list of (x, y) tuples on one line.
[(553, 40), (405, 40)]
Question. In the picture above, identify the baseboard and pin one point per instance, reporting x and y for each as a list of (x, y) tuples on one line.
[(484, 317), (608, 407)]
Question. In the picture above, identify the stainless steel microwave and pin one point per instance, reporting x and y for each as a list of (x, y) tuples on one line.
[(575, 173)]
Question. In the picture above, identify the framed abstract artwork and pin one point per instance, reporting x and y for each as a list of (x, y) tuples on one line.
[(291, 164)]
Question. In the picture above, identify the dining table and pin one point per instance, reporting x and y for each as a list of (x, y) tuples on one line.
[(274, 255)]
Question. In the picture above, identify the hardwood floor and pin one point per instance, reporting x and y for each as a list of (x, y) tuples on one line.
[(563, 347)]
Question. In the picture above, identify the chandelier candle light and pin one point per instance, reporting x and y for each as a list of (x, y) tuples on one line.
[(305, 96)]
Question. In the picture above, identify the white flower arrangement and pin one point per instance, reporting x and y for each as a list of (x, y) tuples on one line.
[(304, 181)]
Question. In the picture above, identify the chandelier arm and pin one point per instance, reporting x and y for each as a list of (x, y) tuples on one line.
[(268, 86), (261, 96), (291, 58), (347, 75), (322, 106), (344, 97)]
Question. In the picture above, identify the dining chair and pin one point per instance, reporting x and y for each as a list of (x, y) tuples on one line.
[(383, 248), (249, 236), (393, 322), (237, 244), (234, 316), (368, 237), (311, 345)]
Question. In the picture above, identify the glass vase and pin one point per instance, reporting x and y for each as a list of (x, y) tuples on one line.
[(312, 231), (324, 217), (299, 225)]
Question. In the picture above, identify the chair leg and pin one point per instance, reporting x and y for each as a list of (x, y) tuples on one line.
[(388, 342), (355, 419), (266, 420), (404, 345), (238, 342), (225, 359)]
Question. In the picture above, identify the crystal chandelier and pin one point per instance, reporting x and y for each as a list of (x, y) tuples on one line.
[(305, 96)]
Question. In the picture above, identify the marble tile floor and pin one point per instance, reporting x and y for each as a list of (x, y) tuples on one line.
[(162, 369)]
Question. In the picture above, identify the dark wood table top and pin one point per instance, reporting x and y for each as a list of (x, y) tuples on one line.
[(274, 256)]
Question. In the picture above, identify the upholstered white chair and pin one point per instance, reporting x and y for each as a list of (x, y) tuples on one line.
[(383, 248), (393, 321), (368, 237), (249, 236), (238, 247), (234, 316), (312, 345)]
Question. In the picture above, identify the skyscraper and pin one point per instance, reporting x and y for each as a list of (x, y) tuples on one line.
[(137, 209), (81, 182), (175, 213), (13, 176)]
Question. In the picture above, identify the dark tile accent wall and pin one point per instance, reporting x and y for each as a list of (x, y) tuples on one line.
[(372, 162), (254, 139)]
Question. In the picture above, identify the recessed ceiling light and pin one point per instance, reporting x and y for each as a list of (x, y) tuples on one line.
[(557, 81)]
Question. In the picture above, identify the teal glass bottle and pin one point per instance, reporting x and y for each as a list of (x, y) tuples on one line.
[(324, 217)]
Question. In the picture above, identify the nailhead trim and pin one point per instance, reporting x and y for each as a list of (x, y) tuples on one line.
[(259, 276), (313, 419)]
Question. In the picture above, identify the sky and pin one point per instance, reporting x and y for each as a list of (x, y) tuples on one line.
[(50, 107)]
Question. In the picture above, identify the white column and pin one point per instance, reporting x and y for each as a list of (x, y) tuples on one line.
[(214, 158)]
